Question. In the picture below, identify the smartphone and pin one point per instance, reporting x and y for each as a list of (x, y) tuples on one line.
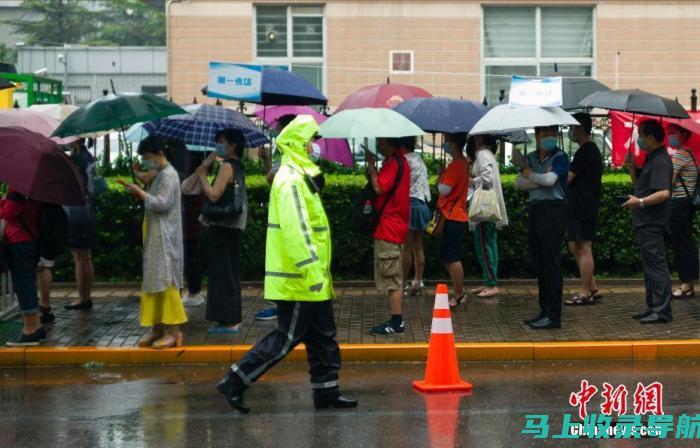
[(619, 200)]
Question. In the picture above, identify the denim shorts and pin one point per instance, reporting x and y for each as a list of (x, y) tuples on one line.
[(420, 215)]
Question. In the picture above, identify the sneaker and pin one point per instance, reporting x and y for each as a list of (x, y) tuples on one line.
[(195, 300), (267, 314), (387, 328), (30, 340), (223, 329)]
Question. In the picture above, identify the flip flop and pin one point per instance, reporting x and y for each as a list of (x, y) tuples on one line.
[(681, 294), (579, 299), (478, 290)]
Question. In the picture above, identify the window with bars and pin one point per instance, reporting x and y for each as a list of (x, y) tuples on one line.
[(401, 61), (535, 41), (292, 36)]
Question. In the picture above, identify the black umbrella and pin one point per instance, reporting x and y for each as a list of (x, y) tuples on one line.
[(573, 90), (635, 102), (5, 84)]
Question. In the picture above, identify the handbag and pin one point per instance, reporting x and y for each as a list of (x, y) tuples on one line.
[(696, 198), (484, 206), (436, 225), (365, 218), (230, 204)]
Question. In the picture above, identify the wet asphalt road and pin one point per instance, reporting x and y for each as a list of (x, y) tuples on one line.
[(178, 406)]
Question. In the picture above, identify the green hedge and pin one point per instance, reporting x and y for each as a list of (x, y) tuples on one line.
[(118, 255)]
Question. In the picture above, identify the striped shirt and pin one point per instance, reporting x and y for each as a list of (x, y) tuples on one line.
[(684, 167)]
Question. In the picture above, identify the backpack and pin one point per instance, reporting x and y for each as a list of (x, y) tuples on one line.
[(53, 231), (365, 218)]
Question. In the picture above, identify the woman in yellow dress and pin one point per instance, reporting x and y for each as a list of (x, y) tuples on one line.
[(161, 306)]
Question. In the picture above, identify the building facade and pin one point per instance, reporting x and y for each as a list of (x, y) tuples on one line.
[(464, 48), (87, 71)]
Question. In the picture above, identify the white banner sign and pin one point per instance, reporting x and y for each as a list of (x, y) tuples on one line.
[(526, 92), (234, 81)]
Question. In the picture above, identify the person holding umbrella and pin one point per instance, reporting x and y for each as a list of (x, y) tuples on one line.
[(161, 305), (225, 232), (545, 180), (453, 185), (20, 216), (685, 177), (651, 209)]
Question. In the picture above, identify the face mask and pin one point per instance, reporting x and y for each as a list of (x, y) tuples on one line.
[(572, 135), (446, 148), (674, 141), (148, 165), (220, 150), (640, 143), (548, 143), (315, 155)]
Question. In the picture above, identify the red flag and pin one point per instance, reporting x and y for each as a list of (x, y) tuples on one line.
[(624, 136)]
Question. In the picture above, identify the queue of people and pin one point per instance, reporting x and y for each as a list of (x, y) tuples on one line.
[(564, 202)]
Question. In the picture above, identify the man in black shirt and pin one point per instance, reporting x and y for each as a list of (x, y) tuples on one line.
[(651, 209), (583, 202)]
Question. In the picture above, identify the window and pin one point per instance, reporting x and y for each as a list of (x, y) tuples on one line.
[(292, 36), (401, 61), (154, 90), (535, 41)]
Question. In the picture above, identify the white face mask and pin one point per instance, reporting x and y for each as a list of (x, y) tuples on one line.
[(315, 155)]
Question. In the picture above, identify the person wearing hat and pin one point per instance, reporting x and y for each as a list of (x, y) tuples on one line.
[(297, 277)]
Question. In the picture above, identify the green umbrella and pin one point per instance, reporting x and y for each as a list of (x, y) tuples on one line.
[(368, 123), (116, 111)]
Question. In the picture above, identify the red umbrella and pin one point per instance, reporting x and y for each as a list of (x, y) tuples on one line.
[(624, 141), (382, 95), (34, 166)]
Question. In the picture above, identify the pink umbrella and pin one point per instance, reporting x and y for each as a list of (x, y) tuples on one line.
[(333, 149), (34, 121), (382, 96)]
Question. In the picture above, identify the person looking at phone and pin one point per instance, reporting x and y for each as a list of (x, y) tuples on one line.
[(651, 209)]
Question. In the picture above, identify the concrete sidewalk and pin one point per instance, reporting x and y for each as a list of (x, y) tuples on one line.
[(113, 321)]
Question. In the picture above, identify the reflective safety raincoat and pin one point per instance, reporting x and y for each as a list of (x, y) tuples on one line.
[(298, 249)]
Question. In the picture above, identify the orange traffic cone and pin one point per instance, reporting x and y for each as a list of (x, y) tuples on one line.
[(442, 371)]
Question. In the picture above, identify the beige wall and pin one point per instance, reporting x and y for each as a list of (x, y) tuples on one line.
[(659, 43)]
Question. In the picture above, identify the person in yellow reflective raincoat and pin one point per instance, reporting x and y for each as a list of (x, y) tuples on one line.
[(297, 277)]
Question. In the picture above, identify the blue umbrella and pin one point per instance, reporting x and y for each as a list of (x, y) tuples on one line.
[(198, 128), (285, 88), (436, 114)]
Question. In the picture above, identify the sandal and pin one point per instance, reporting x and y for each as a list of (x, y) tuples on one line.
[(680, 293), (458, 301), (478, 290), (580, 299), (596, 293)]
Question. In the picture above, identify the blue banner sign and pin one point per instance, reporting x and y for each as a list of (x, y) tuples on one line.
[(240, 82), (526, 92)]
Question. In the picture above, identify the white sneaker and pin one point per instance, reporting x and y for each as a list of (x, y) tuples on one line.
[(195, 300)]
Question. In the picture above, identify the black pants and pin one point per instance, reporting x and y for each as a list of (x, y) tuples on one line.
[(309, 322), (224, 276), (192, 271), (685, 251), (546, 227), (22, 261), (657, 279)]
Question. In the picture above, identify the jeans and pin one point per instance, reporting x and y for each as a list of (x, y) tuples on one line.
[(22, 261)]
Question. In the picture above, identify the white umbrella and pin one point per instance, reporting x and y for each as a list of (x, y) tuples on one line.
[(504, 118), (56, 111)]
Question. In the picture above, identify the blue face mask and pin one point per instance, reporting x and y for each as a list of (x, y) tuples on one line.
[(315, 155), (674, 141), (148, 165), (446, 147), (220, 150), (549, 143), (640, 143)]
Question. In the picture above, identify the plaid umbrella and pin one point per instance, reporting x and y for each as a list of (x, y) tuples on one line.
[(198, 128)]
